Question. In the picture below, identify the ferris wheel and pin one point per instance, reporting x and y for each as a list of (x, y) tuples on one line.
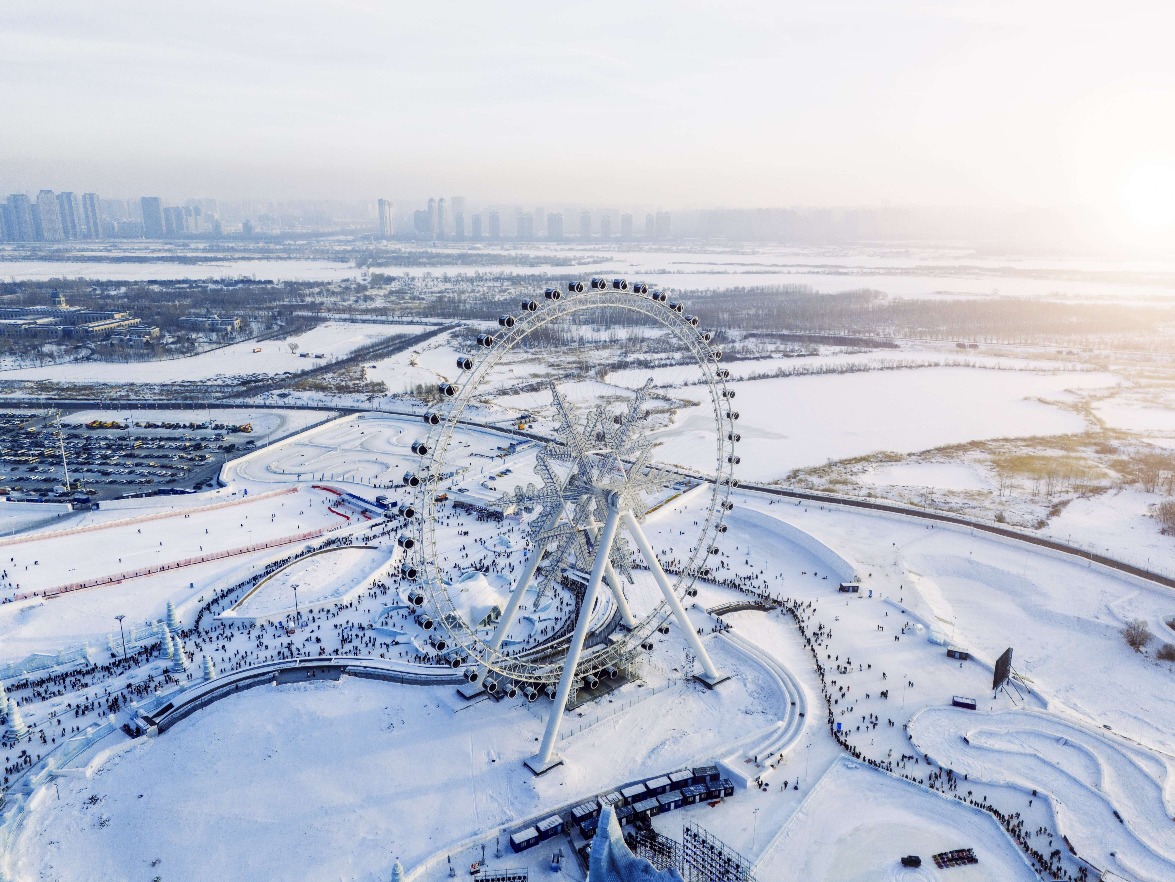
[(598, 454)]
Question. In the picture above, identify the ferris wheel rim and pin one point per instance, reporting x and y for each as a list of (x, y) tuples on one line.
[(518, 667)]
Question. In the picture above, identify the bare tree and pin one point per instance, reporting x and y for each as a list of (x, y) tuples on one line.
[(1137, 635), (1165, 513)]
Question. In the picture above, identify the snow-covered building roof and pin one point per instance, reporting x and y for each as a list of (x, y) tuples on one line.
[(479, 597)]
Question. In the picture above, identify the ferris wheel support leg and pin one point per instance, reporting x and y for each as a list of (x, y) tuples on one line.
[(507, 619), (621, 601), (711, 676), (545, 759)]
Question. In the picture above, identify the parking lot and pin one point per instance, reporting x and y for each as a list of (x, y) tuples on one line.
[(109, 459)]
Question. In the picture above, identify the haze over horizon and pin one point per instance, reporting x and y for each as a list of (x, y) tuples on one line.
[(994, 105)]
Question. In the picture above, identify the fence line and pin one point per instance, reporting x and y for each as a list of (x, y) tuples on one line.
[(162, 568)]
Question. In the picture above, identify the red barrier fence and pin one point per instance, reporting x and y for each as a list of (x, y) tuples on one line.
[(163, 568)]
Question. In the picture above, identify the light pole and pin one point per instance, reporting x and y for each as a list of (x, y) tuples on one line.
[(297, 615), (755, 833), (122, 634)]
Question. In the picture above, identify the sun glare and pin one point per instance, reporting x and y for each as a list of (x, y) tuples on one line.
[(1148, 196)]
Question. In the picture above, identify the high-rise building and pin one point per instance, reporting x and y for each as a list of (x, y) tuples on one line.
[(524, 226), (73, 223), (173, 221), (7, 231), (664, 225), (385, 219), (626, 226), (540, 219), (92, 215), (605, 227), (495, 225), (422, 223), (50, 217), (153, 217), (585, 225), (554, 226), (69, 209), (459, 226), (441, 229), (22, 224), (193, 219), (432, 218), (475, 228), (650, 226)]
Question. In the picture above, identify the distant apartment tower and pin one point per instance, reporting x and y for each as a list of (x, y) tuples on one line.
[(664, 225), (173, 221), (441, 219), (524, 226), (554, 226), (69, 208), (422, 223), (92, 214), (540, 219), (49, 214), (626, 226), (475, 227), (385, 219), (459, 226), (432, 218), (22, 225), (153, 217), (605, 227), (585, 225), (650, 226), (495, 224)]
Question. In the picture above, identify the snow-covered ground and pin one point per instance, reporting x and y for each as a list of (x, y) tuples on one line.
[(331, 340), (112, 542), (857, 823), (792, 422), (904, 272), (338, 780)]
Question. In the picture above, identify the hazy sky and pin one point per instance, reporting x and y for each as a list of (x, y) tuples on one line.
[(664, 103)]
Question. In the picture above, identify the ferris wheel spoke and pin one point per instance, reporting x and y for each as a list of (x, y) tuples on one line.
[(507, 619)]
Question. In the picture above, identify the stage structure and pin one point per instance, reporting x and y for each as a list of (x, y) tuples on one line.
[(606, 448)]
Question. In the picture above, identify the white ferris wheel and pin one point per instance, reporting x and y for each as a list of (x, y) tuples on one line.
[(600, 451)]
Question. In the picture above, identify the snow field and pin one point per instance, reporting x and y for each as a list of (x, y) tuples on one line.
[(334, 340), (352, 762), (858, 822), (794, 422), (67, 620), (326, 578), (1087, 774)]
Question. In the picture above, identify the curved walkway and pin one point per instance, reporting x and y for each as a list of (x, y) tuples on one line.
[(183, 704), (759, 755)]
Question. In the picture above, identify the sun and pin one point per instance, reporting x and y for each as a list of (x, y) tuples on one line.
[(1148, 197)]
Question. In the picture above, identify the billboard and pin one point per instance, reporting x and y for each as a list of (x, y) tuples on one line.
[(1003, 669)]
